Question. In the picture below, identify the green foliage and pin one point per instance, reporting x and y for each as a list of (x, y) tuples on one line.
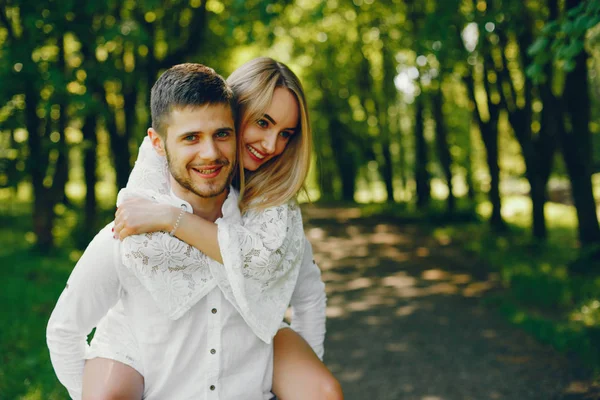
[(541, 296), (563, 39)]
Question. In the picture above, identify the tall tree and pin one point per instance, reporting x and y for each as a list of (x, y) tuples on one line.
[(563, 40), (39, 67)]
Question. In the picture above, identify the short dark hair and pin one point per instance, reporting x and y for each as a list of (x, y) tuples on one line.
[(185, 85)]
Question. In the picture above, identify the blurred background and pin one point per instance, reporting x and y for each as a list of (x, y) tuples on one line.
[(478, 117)]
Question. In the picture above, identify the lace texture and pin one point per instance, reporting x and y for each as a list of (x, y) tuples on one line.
[(262, 253), (261, 261)]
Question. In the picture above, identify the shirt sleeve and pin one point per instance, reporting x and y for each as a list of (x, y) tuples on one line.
[(91, 290), (309, 303), (261, 262)]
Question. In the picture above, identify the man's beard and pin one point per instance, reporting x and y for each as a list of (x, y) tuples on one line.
[(212, 191)]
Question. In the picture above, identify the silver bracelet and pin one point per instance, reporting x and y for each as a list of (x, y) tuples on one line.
[(172, 233)]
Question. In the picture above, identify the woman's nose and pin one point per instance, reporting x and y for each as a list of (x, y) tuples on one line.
[(269, 141)]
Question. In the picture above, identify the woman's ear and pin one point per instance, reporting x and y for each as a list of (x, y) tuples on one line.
[(157, 141)]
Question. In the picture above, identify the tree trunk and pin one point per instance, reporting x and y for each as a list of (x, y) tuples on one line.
[(577, 148), (387, 98), (469, 168), (422, 177), (119, 145), (387, 167), (489, 135), (520, 118), (442, 146), (402, 164), (61, 174), (89, 166), (344, 159)]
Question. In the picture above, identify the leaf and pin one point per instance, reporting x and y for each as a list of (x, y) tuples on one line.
[(580, 24), (567, 27), (569, 65), (535, 71), (573, 49), (538, 46), (592, 22), (576, 11), (550, 28)]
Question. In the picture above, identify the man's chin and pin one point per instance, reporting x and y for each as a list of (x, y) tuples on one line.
[(208, 192)]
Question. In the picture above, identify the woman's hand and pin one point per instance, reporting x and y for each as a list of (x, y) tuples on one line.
[(139, 215)]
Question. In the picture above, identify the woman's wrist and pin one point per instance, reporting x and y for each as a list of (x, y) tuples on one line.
[(171, 218), (175, 225)]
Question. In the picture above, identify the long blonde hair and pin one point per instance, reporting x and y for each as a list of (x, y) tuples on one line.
[(282, 177)]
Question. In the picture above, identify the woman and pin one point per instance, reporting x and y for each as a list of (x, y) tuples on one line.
[(274, 149)]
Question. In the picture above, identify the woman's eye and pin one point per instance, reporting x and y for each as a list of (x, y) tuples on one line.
[(286, 134), (262, 123)]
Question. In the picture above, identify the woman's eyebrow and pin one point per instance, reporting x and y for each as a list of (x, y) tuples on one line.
[(267, 116)]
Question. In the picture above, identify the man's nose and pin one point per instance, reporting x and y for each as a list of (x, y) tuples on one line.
[(208, 151)]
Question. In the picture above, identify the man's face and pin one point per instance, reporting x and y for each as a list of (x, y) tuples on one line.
[(200, 147)]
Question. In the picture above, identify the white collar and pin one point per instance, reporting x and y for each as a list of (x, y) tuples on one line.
[(229, 210)]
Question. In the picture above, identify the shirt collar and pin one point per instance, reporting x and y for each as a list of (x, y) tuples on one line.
[(229, 209)]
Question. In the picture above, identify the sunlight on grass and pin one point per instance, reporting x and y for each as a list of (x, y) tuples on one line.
[(541, 296)]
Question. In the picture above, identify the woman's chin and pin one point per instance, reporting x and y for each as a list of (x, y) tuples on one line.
[(250, 165)]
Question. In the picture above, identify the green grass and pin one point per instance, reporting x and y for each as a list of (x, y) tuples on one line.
[(29, 288)]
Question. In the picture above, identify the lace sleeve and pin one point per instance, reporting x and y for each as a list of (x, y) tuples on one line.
[(176, 274), (261, 262)]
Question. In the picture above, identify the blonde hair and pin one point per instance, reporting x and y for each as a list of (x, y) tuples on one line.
[(282, 177)]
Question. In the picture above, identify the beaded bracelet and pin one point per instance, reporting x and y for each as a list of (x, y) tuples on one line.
[(172, 233)]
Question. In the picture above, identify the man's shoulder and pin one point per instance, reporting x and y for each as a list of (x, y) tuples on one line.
[(105, 238)]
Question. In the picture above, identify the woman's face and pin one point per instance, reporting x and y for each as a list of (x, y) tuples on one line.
[(266, 138)]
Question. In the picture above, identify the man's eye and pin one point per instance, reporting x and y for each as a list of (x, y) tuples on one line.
[(189, 138), (223, 134), (262, 123)]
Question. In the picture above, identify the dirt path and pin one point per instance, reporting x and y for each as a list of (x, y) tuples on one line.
[(405, 320)]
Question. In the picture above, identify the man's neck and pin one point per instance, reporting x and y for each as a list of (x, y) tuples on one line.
[(208, 208)]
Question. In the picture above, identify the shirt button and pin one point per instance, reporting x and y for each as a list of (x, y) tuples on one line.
[(212, 351), (212, 387), (214, 311)]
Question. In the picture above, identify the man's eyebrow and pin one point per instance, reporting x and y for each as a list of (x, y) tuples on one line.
[(221, 129)]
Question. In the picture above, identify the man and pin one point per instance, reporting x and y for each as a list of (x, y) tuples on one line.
[(209, 352)]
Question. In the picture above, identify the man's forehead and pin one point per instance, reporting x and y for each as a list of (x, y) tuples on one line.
[(207, 115), (208, 107)]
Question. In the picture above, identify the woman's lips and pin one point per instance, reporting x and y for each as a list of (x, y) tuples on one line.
[(255, 154)]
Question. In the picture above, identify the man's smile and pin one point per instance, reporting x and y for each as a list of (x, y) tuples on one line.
[(208, 171)]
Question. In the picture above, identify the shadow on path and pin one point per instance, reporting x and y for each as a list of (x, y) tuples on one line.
[(405, 319)]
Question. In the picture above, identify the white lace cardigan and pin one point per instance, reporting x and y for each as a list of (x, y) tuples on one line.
[(262, 253)]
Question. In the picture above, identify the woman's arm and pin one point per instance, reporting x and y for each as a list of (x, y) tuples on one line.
[(260, 254), (138, 215), (91, 290)]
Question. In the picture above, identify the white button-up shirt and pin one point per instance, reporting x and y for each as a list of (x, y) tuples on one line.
[(208, 353)]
